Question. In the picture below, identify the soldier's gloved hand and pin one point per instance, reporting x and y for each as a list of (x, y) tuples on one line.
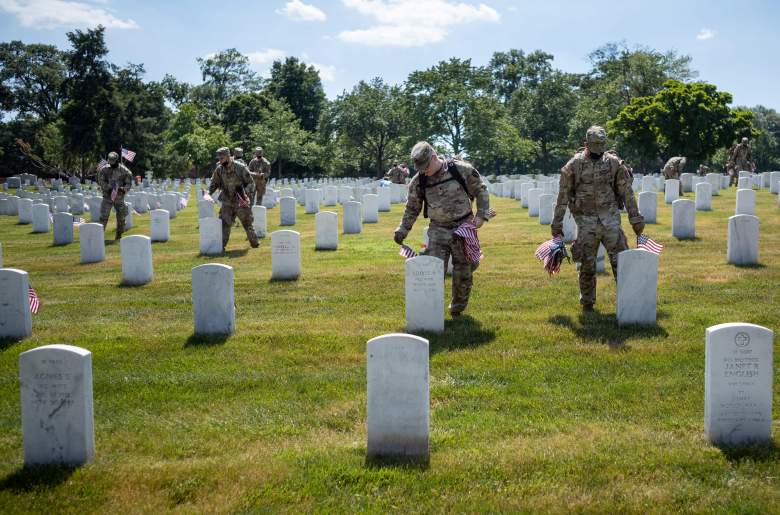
[(479, 221), (399, 237), (556, 231), (638, 227)]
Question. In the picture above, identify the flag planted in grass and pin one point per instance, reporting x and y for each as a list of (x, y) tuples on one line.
[(407, 252), (35, 302), (646, 243)]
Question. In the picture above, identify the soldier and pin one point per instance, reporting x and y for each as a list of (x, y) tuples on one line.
[(232, 178), (238, 155), (397, 175), (114, 180), (740, 159), (673, 168), (703, 170), (260, 170), (595, 186), (444, 191)]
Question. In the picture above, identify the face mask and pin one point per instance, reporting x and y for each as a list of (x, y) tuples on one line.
[(595, 157)]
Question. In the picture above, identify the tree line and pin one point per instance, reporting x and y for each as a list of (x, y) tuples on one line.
[(63, 110)]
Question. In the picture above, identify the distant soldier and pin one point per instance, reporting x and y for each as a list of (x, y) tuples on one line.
[(594, 185), (232, 179), (260, 170), (703, 170), (444, 191), (238, 155), (740, 159), (114, 181), (673, 168), (397, 175)]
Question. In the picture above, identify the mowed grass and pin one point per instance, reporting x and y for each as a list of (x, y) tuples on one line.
[(534, 407)]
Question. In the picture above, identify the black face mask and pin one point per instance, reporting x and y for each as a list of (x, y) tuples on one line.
[(114, 164), (595, 157)]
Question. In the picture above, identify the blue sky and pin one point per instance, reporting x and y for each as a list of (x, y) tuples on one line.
[(733, 44)]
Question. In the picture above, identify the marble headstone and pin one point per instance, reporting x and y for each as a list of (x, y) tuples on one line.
[(136, 254), (15, 316), (425, 294), (637, 284), (327, 231), (91, 243), (285, 255), (213, 304), (648, 206), (742, 246), (160, 225), (683, 219)]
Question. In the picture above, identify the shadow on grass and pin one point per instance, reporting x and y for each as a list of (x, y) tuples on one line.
[(34, 477), (757, 266), (397, 462), (7, 343), (282, 280), (110, 242), (463, 332), (128, 285), (236, 253), (203, 340), (762, 452), (603, 328)]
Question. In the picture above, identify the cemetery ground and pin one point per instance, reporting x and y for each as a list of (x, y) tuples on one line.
[(535, 407)]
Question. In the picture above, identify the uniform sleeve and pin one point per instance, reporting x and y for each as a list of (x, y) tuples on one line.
[(216, 181), (413, 206), (624, 189), (128, 179), (565, 193), (246, 179), (477, 189), (101, 179)]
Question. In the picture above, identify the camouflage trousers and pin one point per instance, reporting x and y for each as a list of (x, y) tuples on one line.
[(121, 213), (442, 245), (228, 214), (258, 197), (591, 231), (733, 178)]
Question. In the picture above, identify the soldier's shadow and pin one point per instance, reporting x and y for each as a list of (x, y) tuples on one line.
[(29, 478), (463, 332), (603, 328), (756, 452)]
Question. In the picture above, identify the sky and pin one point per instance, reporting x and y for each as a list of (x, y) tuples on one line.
[(734, 45)]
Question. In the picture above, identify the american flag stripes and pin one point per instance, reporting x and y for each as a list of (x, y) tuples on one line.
[(468, 233), (242, 199), (114, 192), (552, 254), (128, 154), (102, 164), (407, 252), (35, 302), (644, 242)]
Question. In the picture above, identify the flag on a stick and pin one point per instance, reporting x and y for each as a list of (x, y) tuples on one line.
[(407, 252), (128, 154), (644, 242), (35, 302)]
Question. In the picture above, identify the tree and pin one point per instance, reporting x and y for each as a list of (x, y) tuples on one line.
[(514, 70), (440, 97), (299, 85), (175, 91), (766, 145), (225, 74), (240, 113), (692, 120), (282, 137), (371, 119), (31, 80)]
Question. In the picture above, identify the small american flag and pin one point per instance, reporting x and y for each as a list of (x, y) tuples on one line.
[(102, 164), (77, 220), (128, 154), (646, 243), (407, 252), (35, 302), (468, 233), (114, 192), (243, 201), (552, 254)]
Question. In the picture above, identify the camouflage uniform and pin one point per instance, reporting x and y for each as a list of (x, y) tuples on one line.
[(397, 175), (594, 191), (673, 168), (740, 159), (260, 170), (448, 207), (114, 175), (703, 170), (230, 179)]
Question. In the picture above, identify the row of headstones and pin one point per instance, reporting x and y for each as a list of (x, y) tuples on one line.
[(58, 411)]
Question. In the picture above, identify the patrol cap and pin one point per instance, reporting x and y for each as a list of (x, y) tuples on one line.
[(258, 151), (238, 151), (422, 153), (744, 140), (223, 151), (596, 138), (113, 156)]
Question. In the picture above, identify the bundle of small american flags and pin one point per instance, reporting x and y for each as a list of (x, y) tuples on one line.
[(644, 242), (468, 233), (35, 302), (552, 253)]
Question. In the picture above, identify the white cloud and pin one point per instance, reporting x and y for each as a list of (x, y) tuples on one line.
[(50, 14), (411, 23), (327, 71), (265, 57), (298, 11), (705, 34)]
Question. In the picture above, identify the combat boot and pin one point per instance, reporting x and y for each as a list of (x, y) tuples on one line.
[(587, 308)]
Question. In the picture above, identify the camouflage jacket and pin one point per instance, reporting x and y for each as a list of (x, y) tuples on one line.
[(742, 157), (673, 168), (260, 170), (230, 179), (595, 188), (397, 175), (118, 176), (448, 203)]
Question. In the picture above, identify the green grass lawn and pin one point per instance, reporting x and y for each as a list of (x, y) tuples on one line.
[(534, 407)]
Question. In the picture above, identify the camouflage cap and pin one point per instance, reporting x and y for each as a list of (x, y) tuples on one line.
[(422, 153), (744, 140), (113, 156), (238, 151), (596, 138), (258, 151), (223, 151)]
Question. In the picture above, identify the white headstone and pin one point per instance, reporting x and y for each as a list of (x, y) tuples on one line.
[(312, 201), (327, 229), (738, 362), (136, 260), (383, 195), (648, 183), (260, 223), (774, 182), (285, 255), (370, 208), (57, 412), (704, 196), (648, 206), (683, 219), (546, 208), (744, 183), (533, 201), (746, 202), (91, 242), (287, 211), (637, 284), (205, 209), (170, 203), (671, 190), (1, 255), (63, 228), (570, 229), (425, 294), (25, 210), (715, 181), (210, 231), (686, 179), (213, 304), (742, 247), (160, 225), (525, 187), (398, 396), (15, 316), (353, 218), (94, 204), (40, 218)]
